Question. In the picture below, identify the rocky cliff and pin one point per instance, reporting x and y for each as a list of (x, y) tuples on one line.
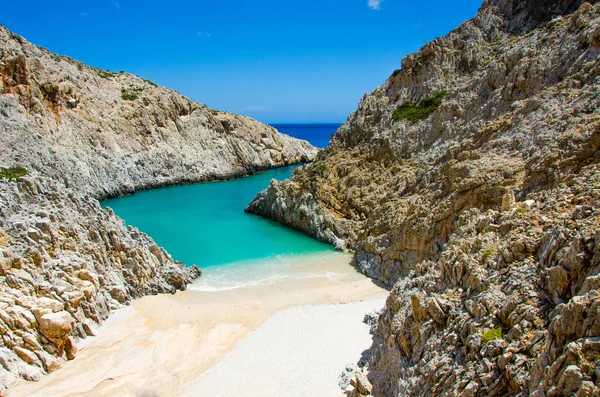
[(81, 134), (469, 180), (65, 263), (108, 133)]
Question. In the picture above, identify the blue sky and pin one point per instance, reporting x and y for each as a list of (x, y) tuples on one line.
[(277, 61)]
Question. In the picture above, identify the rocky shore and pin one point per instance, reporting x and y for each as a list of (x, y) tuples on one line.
[(65, 264), (469, 182), (81, 134)]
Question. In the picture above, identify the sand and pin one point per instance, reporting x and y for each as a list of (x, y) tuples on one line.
[(299, 351), (290, 337)]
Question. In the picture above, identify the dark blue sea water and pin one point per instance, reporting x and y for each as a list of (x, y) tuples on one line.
[(318, 135)]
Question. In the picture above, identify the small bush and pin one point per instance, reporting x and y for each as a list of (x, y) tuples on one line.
[(521, 210), (153, 84), (105, 74), (130, 94), (415, 113), (396, 72), (317, 169), (12, 174), (420, 61), (492, 334), (487, 254)]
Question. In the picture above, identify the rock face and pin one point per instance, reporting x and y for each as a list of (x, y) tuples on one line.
[(481, 209), (65, 263), (84, 134), (532, 272), (109, 134)]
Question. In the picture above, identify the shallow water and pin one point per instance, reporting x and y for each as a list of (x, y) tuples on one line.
[(205, 224)]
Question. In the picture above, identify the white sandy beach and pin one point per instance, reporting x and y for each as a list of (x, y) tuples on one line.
[(292, 337), (298, 352)]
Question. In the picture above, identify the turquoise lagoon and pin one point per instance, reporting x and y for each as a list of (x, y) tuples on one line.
[(205, 224)]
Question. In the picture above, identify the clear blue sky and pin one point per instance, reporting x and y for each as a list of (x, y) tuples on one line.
[(276, 61)]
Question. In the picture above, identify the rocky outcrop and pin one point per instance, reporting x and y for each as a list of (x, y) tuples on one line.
[(529, 272), (83, 134), (65, 263), (520, 16), (109, 134), (501, 111)]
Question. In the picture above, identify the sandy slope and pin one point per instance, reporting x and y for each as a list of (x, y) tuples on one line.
[(299, 351), (161, 345)]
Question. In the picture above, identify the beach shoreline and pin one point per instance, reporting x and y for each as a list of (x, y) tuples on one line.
[(163, 345)]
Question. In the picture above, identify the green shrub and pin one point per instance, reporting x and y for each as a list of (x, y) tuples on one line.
[(492, 334), (420, 61), (316, 169), (487, 254), (153, 84), (105, 74), (521, 210), (414, 113), (12, 174), (396, 72), (129, 94)]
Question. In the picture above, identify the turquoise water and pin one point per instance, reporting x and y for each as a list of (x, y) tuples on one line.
[(205, 224)]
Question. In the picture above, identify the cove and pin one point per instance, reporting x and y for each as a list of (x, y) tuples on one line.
[(205, 224)]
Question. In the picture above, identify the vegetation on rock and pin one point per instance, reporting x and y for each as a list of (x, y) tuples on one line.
[(152, 83), (12, 174), (130, 93), (422, 110), (105, 74), (492, 334), (317, 170)]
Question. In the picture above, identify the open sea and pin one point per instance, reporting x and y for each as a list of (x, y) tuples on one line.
[(205, 224), (318, 135)]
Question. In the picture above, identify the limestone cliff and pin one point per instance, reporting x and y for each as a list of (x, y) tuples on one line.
[(83, 134), (65, 263), (502, 110), (108, 133)]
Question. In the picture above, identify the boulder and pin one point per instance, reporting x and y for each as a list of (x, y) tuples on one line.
[(57, 327), (70, 348)]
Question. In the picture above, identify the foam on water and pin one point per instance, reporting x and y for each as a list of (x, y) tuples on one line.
[(333, 265)]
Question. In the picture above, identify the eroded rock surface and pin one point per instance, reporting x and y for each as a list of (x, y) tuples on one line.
[(531, 271), (65, 263), (108, 133), (458, 210)]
